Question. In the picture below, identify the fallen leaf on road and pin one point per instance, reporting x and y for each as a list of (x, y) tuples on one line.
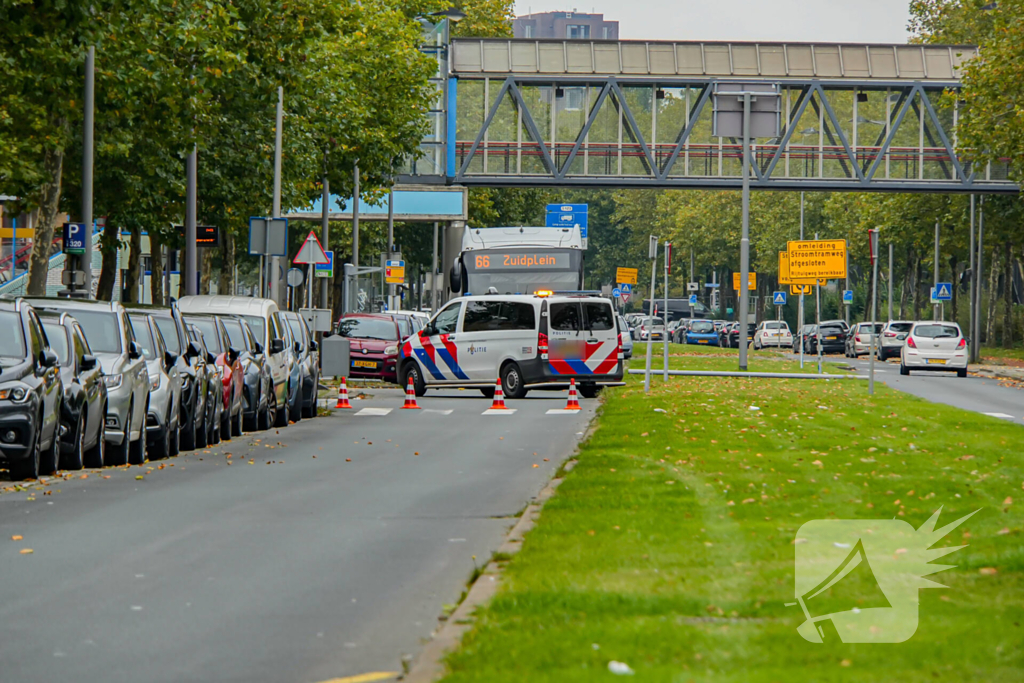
[(348, 459), (536, 465), (27, 551), (139, 477), (16, 537)]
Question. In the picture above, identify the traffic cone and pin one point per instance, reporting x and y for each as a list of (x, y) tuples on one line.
[(499, 397), (343, 397), (410, 397), (574, 403)]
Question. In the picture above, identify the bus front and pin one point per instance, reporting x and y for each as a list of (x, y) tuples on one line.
[(521, 270)]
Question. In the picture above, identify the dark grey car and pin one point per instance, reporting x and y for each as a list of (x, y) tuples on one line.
[(307, 355)]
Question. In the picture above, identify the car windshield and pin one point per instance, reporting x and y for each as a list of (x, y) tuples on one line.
[(58, 338), (169, 331), (702, 327), (936, 331), (831, 331), (258, 326), (296, 327), (776, 326), (143, 336), (209, 329), (101, 329), (653, 321), (235, 333), (368, 328)]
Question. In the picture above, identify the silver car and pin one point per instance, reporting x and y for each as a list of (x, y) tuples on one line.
[(308, 357), (625, 338), (112, 341), (892, 338), (162, 421)]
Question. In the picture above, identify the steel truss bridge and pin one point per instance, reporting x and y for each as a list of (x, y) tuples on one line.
[(639, 114)]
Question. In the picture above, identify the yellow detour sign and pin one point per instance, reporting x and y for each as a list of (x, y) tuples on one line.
[(786, 278), (626, 276), (394, 272), (751, 281), (825, 259), (797, 290)]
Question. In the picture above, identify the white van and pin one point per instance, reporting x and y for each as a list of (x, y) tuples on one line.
[(265, 320), (529, 341)]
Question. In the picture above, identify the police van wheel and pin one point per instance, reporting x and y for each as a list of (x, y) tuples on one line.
[(412, 372), (512, 381)]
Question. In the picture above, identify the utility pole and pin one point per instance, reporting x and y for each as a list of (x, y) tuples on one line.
[(275, 261), (973, 281), (935, 307), (433, 275), (325, 235), (88, 147), (817, 320), (873, 239), (191, 270), (391, 243), (890, 281), (745, 239), (977, 290), (800, 312), (664, 340), (652, 254), (353, 287)]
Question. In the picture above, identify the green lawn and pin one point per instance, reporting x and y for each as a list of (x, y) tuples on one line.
[(670, 545), (999, 353)]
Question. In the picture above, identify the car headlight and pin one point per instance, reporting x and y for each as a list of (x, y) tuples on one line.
[(154, 382), (391, 351), (15, 394), (112, 381)]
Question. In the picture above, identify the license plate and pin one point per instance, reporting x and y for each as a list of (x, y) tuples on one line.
[(702, 341), (936, 361), (830, 338), (364, 364)]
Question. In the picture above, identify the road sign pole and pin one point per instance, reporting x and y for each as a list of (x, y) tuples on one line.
[(873, 235), (88, 147), (191, 271), (974, 280), (391, 243), (745, 239), (275, 266), (653, 254), (890, 277), (935, 308), (817, 319), (800, 313), (325, 235), (976, 333), (664, 341)]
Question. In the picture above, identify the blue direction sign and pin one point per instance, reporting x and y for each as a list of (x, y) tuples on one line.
[(567, 208), (693, 299), (848, 296), (616, 292), (74, 238), (568, 216), (779, 298), (325, 269), (944, 291)]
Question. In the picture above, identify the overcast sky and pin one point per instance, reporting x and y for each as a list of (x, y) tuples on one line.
[(850, 21)]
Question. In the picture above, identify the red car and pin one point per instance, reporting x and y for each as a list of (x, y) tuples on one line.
[(374, 342)]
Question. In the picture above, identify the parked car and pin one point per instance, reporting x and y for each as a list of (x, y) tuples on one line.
[(231, 373), (653, 328), (701, 333), (308, 354), (112, 341), (719, 324), (801, 337), (264, 318), (837, 323), (258, 383), (31, 393), (934, 346), (213, 401), (773, 333), (893, 337), (191, 370), (858, 340), (162, 420), (84, 404), (832, 338), (734, 334), (374, 344), (625, 338)]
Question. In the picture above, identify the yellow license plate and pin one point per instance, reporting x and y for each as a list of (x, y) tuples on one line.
[(702, 341), (936, 361), (364, 364), (830, 338)]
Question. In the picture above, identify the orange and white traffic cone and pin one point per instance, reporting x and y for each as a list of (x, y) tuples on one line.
[(410, 397), (499, 397), (343, 397), (574, 403)]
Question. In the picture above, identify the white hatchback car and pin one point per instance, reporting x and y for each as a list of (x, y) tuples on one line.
[(773, 333), (892, 339), (934, 346)]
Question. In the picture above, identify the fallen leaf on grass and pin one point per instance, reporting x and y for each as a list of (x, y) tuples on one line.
[(1008, 501), (984, 571), (1001, 532)]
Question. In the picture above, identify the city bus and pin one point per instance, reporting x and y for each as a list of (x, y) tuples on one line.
[(518, 261)]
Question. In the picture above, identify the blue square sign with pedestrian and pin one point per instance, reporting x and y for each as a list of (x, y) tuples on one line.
[(779, 298), (944, 291)]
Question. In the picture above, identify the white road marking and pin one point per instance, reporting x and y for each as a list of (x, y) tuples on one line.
[(562, 411), (1002, 416), (438, 412), (374, 412), (492, 411)]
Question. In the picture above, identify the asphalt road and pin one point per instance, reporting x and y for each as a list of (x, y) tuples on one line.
[(333, 560)]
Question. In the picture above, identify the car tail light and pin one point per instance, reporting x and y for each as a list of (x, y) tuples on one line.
[(857, 339), (910, 343), (962, 344), (542, 345), (890, 334)]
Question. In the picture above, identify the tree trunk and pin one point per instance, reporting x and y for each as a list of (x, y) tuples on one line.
[(108, 269), (905, 288), (49, 207), (226, 284), (1008, 298), (954, 267), (133, 275), (993, 297), (156, 269), (338, 285), (205, 270)]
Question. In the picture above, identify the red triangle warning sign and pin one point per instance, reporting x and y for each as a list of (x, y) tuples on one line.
[(311, 251)]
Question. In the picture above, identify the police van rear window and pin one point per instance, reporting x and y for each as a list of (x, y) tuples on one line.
[(599, 316), (565, 317), (488, 316)]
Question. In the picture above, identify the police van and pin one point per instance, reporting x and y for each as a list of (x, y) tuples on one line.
[(538, 341)]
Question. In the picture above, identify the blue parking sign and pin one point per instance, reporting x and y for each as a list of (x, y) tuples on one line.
[(74, 238), (848, 296)]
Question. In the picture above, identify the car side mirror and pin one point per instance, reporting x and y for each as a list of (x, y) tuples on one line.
[(313, 346), (192, 351), (276, 346), (48, 358), (257, 348), (429, 331), (211, 359), (134, 352), (170, 358), (232, 355), (88, 362)]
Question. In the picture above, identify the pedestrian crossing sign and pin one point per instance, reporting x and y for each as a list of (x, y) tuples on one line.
[(779, 298), (944, 291)]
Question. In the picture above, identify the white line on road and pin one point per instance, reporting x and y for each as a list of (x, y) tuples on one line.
[(374, 412), (562, 411), (492, 411), (1002, 416), (438, 412)]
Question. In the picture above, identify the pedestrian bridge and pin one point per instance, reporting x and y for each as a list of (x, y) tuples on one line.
[(639, 114)]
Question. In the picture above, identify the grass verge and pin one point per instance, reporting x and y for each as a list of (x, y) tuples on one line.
[(670, 546)]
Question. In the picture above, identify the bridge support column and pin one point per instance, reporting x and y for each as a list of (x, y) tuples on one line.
[(453, 233)]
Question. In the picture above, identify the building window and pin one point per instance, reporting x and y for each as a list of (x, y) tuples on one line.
[(604, 32), (577, 31), (528, 31)]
